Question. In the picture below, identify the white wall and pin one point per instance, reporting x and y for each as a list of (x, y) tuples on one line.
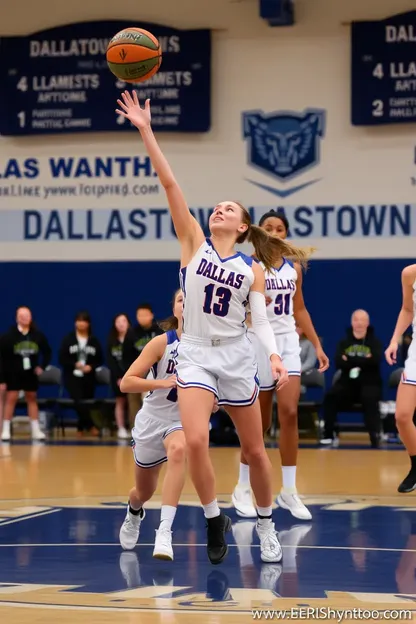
[(254, 67)]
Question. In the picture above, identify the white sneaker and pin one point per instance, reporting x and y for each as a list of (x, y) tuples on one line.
[(292, 503), (270, 549), (123, 434), (243, 502), (163, 545), (333, 442), (130, 529), (38, 435), (5, 436)]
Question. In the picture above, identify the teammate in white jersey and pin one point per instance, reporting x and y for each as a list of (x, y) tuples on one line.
[(215, 357), (406, 392), (285, 309), (157, 435)]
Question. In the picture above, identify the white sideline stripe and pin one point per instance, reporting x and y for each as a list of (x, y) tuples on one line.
[(29, 517), (111, 545)]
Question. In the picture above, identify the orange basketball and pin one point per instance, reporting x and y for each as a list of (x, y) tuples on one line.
[(134, 55)]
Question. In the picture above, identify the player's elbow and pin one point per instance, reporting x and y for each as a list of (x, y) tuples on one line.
[(299, 311), (125, 384)]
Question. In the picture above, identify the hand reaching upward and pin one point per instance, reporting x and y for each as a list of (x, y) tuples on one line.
[(130, 109)]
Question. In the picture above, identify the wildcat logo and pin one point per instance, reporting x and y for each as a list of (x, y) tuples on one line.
[(284, 145)]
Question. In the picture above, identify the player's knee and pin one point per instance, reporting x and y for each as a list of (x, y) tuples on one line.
[(197, 442), (255, 454), (288, 417), (177, 452), (403, 417)]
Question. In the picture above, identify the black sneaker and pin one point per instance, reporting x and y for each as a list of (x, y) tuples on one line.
[(375, 440), (408, 484), (217, 547)]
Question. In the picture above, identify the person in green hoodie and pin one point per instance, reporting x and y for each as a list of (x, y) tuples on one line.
[(25, 354), (358, 358)]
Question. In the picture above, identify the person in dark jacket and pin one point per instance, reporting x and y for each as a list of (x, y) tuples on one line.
[(136, 339), (25, 353), (358, 358), (80, 355), (119, 329)]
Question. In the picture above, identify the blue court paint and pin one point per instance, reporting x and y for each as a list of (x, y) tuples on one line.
[(349, 551)]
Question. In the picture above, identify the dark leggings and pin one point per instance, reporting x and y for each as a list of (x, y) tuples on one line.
[(80, 389), (340, 396)]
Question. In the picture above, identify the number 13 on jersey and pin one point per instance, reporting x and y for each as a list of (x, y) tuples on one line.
[(218, 302)]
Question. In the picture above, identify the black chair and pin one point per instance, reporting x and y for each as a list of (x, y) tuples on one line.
[(309, 405), (394, 378), (312, 379), (352, 408), (103, 379)]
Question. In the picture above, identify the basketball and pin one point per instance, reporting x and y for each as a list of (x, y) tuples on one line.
[(134, 55)]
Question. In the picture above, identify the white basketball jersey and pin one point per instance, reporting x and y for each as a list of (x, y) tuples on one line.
[(412, 347), (162, 404), (281, 287), (216, 293)]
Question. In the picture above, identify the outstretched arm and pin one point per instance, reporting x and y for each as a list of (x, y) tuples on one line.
[(187, 229), (304, 321)]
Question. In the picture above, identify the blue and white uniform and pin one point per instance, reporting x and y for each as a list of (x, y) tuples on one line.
[(159, 415), (215, 352), (409, 373), (280, 288)]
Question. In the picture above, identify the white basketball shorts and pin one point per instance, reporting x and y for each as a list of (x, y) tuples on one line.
[(227, 368), (148, 435), (409, 373), (289, 349)]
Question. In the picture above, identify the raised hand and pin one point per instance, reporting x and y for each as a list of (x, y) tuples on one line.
[(130, 109)]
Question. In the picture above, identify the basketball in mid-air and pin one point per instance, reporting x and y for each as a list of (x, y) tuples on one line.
[(134, 55)]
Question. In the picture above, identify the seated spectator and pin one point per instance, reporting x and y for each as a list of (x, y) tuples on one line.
[(358, 357), (25, 353), (307, 352), (80, 355), (136, 339), (116, 338)]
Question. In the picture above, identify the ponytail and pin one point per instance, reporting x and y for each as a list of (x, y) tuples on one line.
[(269, 249), (169, 323)]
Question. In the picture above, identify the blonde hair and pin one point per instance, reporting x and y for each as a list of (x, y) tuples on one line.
[(268, 249)]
